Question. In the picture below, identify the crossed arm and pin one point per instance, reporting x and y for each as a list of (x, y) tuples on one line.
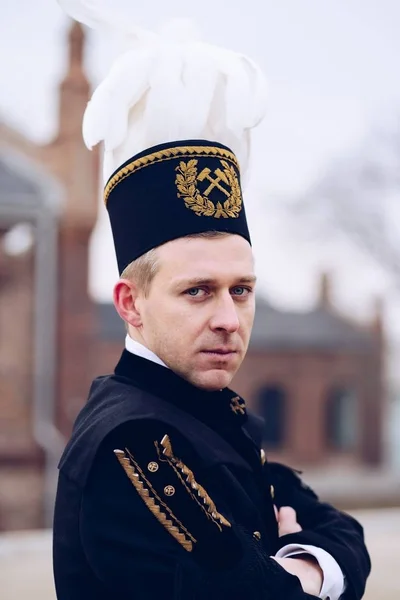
[(132, 553), (318, 525)]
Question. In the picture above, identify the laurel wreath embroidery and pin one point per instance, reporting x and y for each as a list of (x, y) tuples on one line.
[(186, 182)]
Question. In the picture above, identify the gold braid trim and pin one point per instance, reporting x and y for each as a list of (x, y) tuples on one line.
[(151, 504), (189, 477), (157, 497), (211, 517), (167, 154)]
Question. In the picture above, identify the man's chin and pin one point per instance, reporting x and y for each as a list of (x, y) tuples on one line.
[(213, 380)]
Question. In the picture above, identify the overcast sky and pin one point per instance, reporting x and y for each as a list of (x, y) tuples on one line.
[(333, 71)]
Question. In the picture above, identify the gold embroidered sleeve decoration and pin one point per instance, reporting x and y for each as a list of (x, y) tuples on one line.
[(153, 502), (196, 491)]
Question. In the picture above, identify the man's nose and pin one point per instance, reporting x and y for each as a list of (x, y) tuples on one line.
[(225, 317)]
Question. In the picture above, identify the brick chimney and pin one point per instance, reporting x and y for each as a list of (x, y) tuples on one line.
[(75, 88), (78, 171), (325, 291), (377, 322)]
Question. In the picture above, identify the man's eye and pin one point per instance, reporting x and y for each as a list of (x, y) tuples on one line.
[(194, 292), (240, 291)]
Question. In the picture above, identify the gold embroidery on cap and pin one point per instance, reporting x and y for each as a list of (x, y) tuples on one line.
[(184, 538), (225, 180), (163, 155), (194, 488)]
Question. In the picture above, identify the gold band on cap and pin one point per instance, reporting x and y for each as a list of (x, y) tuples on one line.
[(167, 154)]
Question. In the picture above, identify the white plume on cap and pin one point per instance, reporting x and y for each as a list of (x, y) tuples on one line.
[(168, 86)]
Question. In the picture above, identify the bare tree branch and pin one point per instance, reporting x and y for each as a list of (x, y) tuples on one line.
[(360, 197)]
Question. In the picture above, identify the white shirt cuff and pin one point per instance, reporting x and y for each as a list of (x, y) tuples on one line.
[(333, 584)]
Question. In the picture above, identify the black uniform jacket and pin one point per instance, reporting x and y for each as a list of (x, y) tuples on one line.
[(162, 494)]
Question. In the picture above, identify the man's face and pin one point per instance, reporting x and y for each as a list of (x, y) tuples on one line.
[(199, 311)]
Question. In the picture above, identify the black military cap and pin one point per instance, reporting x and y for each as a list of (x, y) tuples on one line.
[(171, 191)]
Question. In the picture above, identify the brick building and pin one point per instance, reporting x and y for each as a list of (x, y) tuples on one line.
[(316, 377)]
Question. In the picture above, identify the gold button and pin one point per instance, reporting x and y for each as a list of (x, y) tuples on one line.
[(263, 457), (272, 490), (152, 467), (257, 536), (169, 490)]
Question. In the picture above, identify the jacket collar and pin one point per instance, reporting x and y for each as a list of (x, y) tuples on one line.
[(216, 409)]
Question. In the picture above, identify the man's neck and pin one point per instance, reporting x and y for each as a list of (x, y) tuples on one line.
[(135, 347)]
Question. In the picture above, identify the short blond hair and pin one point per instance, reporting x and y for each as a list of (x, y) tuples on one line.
[(143, 270)]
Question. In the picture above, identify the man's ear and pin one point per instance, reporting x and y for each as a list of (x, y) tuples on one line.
[(125, 297)]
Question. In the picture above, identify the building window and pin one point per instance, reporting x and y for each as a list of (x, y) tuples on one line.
[(272, 401), (341, 418)]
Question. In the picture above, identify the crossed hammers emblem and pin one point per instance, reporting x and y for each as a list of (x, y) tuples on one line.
[(214, 182)]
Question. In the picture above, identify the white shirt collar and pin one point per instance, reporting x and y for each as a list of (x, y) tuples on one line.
[(137, 348)]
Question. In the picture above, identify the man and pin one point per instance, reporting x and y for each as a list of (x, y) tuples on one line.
[(163, 491)]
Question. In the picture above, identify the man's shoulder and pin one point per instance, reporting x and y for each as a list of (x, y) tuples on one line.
[(115, 405), (112, 402)]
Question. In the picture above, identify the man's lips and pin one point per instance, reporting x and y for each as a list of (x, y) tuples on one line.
[(220, 351)]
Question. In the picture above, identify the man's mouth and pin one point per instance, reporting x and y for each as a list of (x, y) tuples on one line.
[(220, 351)]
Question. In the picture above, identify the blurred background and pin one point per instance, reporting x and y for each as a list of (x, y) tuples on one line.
[(323, 202)]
